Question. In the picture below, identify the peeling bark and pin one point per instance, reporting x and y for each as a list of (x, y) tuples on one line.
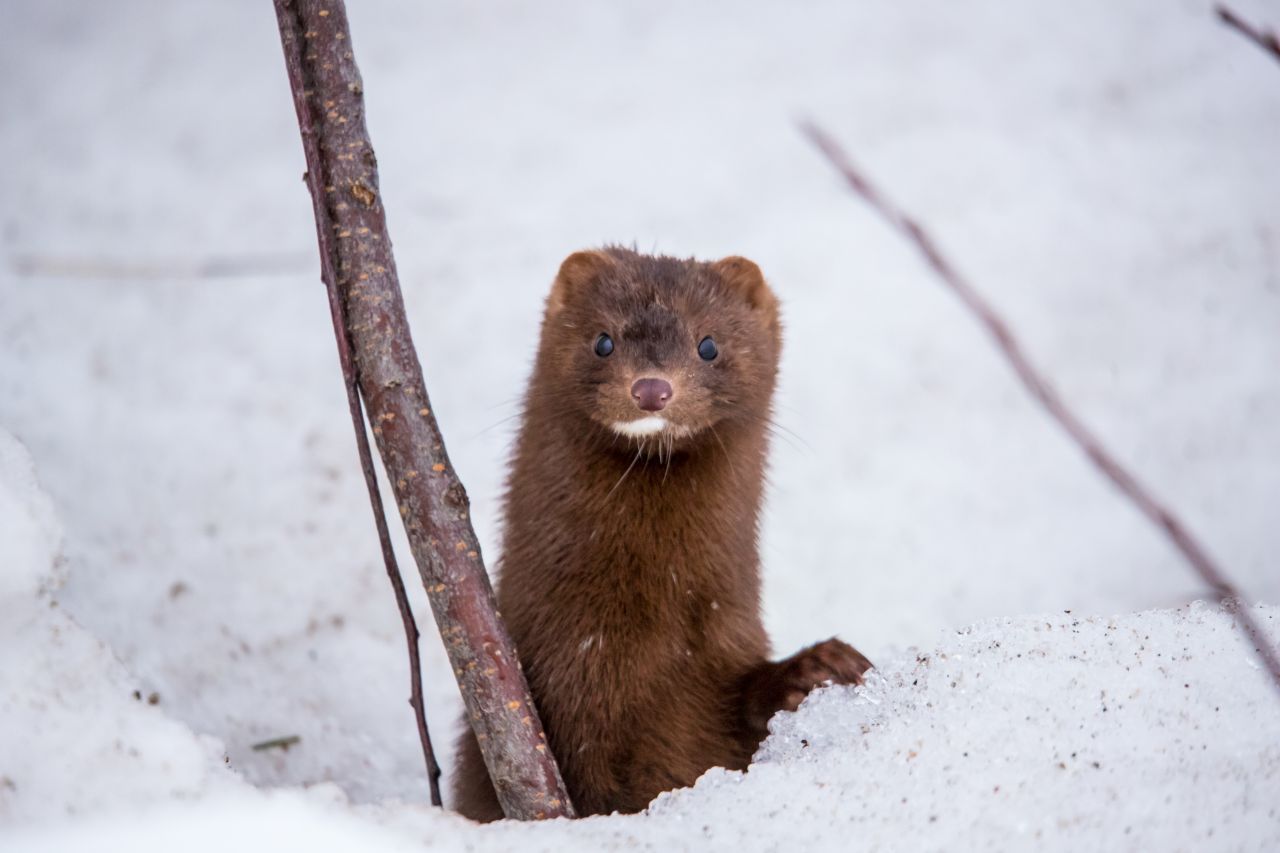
[(356, 257)]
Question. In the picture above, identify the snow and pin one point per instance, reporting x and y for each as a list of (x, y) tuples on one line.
[(77, 739), (187, 520)]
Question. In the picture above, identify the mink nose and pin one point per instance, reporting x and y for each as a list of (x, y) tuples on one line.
[(651, 395)]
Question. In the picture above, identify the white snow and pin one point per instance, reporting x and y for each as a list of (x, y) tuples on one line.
[(78, 734), (190, 523)]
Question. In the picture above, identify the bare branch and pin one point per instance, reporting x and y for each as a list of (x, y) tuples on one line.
[(367, 306), (345, 358), (1264, 39), (1048, 397)]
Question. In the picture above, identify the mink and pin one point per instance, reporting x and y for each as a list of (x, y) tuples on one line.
[(629, 576)]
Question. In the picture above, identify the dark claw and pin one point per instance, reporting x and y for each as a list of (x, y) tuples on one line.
[(831, 661)]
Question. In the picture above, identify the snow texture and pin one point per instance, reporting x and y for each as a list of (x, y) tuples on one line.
[(187, 563)]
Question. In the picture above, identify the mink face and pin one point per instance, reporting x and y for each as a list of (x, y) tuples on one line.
[(658, 351)]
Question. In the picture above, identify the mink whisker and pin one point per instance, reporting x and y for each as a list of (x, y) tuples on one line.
[(728, 457), (626, 472), (782, 433), (778, 425), (491, 427), (790, 440)]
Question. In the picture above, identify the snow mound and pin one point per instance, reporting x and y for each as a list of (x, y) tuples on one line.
[(1153, 731), (76, 735), (29, 531), (279, 821)]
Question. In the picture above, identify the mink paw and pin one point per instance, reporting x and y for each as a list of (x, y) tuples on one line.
[(832, 661), (781, 686)]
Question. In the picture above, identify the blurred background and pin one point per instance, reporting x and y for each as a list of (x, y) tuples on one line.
[(1105, 172)]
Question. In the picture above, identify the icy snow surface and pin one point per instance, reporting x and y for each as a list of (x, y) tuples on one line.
[(198, 535)]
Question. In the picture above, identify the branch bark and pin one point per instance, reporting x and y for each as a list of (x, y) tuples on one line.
[(1264, 39), (1044, 392), (358, 267)]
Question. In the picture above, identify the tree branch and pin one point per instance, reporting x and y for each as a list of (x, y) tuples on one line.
[(358, 267), (410, 625), (1044, 392), (1264, 39)]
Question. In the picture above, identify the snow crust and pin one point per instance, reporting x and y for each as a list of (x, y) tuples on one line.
[(182, 518)]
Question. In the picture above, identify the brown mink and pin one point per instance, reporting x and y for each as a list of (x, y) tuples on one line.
[(629, 577)]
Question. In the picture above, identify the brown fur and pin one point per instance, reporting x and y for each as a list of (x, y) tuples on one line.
[(629, 578)]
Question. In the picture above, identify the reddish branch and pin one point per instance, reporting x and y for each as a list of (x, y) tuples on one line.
[(355, 408), (1048, 397), (358, 268), (1264, 39)]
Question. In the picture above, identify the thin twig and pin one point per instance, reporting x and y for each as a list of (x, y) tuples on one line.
[(1264, 39), (281, 743), (1047, 395)]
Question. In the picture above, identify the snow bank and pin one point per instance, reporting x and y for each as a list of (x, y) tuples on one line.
[(1154, 731), (280, 821), (78, 735), (28, 527)]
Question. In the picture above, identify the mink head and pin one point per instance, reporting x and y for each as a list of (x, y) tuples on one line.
[(644, 346)]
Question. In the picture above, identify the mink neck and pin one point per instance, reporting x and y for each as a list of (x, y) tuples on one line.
[(692, 516)]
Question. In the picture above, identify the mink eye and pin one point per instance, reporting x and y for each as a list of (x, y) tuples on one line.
[(707, 349), (604, 345)]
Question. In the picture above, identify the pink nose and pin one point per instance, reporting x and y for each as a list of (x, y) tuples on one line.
[(651, 395)]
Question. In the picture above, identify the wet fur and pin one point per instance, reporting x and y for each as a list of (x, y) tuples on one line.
[(630, 577)]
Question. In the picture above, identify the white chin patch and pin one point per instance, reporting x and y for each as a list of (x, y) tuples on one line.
[(651, 425)]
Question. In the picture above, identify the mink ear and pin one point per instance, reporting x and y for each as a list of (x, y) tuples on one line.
[(578, 272), (745, 278)]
